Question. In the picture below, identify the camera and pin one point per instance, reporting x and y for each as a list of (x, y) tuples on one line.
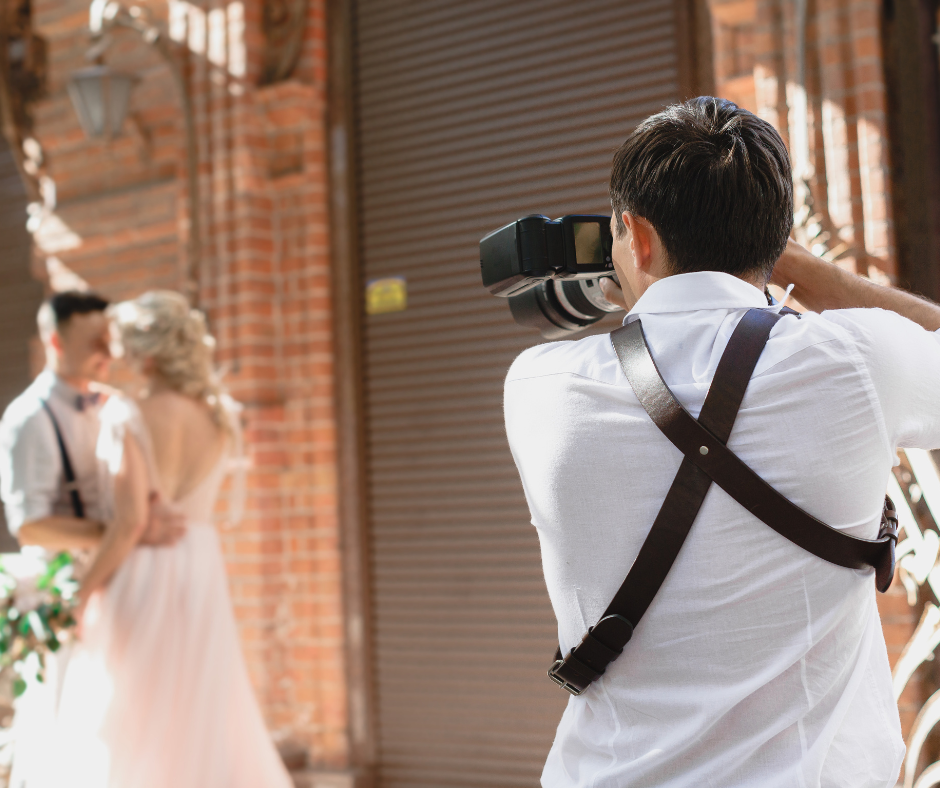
[(549, 270)]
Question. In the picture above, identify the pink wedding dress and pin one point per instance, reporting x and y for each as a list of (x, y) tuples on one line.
[(157, 695)]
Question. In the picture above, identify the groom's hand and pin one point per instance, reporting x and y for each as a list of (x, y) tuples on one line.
[(165, 526)]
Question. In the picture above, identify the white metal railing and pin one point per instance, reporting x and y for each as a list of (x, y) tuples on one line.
[(918, 567)]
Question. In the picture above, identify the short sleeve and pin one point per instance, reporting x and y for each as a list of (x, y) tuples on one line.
[(121, 417), (30, 468), (903, 361)]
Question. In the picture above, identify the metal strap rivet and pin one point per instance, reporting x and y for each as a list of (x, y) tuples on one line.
[(703, 450)]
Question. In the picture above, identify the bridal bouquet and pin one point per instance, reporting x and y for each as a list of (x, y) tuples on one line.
[(37, 600)]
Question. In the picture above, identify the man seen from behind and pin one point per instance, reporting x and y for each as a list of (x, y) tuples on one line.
[(757, 663)]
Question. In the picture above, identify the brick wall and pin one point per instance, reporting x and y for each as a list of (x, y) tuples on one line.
[(118, 218)]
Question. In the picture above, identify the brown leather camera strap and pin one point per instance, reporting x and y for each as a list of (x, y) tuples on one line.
[(706, 459), (605, 641), (734, 477)]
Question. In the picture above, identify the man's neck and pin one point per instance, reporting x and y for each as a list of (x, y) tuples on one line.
[(81, 385)]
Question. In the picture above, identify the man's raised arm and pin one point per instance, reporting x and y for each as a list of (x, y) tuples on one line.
[(819, 285)]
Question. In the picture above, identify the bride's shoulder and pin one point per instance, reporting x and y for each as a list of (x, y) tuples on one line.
[(119, 417)]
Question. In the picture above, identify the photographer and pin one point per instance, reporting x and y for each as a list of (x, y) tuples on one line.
[(757, 663)]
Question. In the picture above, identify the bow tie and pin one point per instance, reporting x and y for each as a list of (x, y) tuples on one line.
[(83, 401)]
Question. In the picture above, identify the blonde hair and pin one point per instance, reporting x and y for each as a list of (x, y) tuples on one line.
[(160, 326)]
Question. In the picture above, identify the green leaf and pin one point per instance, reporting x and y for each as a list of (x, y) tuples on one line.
[(19, 687), (58, 563)]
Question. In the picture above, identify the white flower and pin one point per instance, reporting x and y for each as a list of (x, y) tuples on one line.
[(27, 597)]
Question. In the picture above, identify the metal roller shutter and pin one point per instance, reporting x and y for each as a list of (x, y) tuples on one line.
[(20, 295), (470, 115)]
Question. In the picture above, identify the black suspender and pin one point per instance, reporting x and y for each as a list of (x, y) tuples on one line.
[(78, 507), (706, 460)]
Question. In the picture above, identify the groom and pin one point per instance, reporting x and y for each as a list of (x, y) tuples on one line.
[(49, 471)]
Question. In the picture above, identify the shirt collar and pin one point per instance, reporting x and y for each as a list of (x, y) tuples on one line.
[(56, 387), (696, 291)]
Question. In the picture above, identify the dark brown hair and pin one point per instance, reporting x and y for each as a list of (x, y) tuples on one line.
[(72, 302), (715, 183)]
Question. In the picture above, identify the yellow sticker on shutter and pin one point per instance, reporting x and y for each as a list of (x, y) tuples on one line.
[(386, 295)]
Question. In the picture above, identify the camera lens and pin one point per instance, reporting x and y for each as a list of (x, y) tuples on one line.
[(559, 308)]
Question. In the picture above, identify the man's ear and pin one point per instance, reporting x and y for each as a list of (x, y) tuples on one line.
[(641, 240), (55, 341)]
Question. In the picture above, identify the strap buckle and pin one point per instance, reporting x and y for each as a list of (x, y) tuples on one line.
[(587, 661), (889, 521), (565, 685), (884, 570)]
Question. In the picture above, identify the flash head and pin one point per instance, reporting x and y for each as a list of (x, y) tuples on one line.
[(549, 270), (534, 249)]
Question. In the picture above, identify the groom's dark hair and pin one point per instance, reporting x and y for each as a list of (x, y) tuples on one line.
[(59, 308), (74, 302)]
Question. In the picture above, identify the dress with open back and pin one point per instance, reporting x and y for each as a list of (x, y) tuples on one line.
[(157, 693)]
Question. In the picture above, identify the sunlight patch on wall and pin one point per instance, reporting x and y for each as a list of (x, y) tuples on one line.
[(218, 35)]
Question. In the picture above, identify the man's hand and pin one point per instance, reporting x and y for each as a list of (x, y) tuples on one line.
[(165, 526), (617, 294)]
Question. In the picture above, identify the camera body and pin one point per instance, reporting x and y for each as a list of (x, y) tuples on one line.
[(549, 270)]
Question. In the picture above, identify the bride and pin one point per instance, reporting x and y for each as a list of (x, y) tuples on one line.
[(156, 693)]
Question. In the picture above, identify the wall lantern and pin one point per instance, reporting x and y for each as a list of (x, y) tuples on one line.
[(101, 97)]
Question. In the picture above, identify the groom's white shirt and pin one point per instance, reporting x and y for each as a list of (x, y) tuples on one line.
[(32, 481)]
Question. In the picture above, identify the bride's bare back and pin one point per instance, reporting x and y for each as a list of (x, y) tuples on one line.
[(187, 443)]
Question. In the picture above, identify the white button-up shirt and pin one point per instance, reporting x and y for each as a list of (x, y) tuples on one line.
[(757, 664), (32, 481)]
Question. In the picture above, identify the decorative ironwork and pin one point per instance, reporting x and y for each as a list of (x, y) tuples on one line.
[(283, 24), (26, 60), (22, 82), (918, 570)]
